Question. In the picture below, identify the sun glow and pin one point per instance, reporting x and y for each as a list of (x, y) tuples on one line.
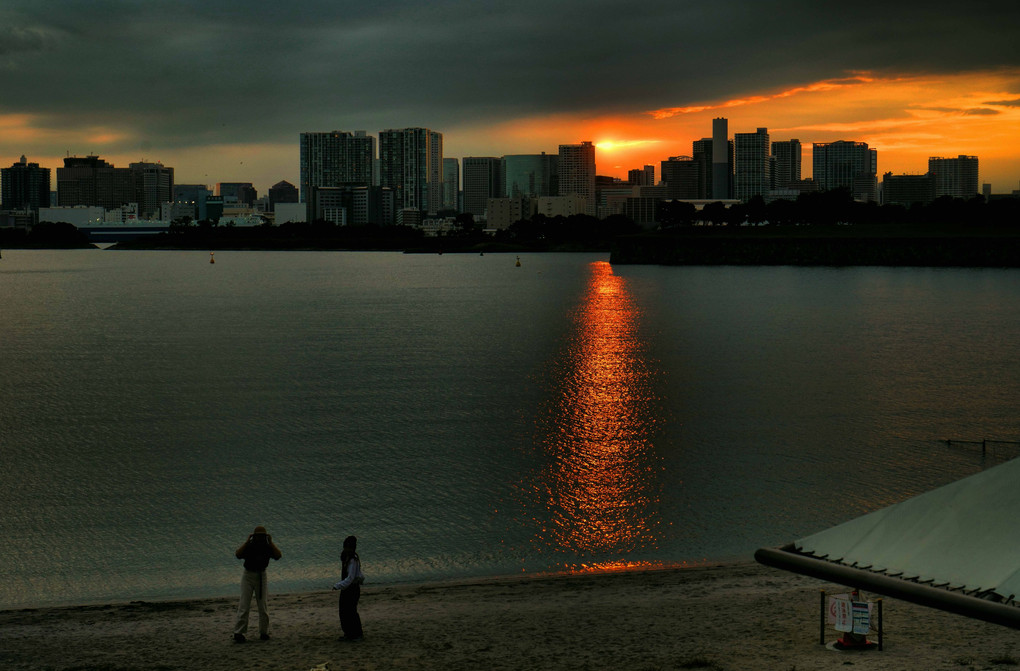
[(906, 117)]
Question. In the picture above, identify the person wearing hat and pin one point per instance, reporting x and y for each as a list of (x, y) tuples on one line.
[(349, 585), (256, 553)]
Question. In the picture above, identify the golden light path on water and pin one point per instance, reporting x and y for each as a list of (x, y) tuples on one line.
[(600, 485)]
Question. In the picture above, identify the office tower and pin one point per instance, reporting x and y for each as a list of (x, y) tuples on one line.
[(334, 158), (722, 161), (577, 173), (845, 165), (751, 165), (682, 177), (956, 177), (531, 175), (411, 163), (153, 185), (283, 192), (701, 153), (451, 184), (91, 181), (785, 163), (24, 186), (483, 179), (353, 205)]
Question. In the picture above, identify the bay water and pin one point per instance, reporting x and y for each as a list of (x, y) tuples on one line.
[(465, 416)]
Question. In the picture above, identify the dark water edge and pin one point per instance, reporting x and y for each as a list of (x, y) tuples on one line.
[(847, 246)]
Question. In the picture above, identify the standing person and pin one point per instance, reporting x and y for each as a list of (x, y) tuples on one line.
[(351, 578), (256, 553)]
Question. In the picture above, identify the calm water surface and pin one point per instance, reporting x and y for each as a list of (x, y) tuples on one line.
[(466, 417)]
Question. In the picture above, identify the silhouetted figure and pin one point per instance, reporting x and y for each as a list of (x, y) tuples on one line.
[(256, 553), (351, 578)]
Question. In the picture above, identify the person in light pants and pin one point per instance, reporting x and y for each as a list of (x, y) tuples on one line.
[(256, 553)]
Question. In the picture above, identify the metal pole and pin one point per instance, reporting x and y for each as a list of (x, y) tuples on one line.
[(879, 625), (821, 619)]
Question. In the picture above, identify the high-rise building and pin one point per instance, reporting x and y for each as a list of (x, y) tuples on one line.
[(752, 168), (196, 195), (786, 157), (956, 177), (153, 185), (283, 192), (236, 193), (483, 179), (91, 181), (451, 184), (353, 205), (577, 173), (722, 160), (411, 163), (907, 190), (644, 176), (701, 153), (531, 175), (24, 186), (334, 158), (846, 165), (682, 177)]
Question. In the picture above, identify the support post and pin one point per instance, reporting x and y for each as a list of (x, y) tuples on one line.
[(821, 619), (880, 625)]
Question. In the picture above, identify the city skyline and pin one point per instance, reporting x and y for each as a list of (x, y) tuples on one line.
[(223, 92)]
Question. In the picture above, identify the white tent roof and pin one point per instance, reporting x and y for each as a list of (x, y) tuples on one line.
[(964, 535)]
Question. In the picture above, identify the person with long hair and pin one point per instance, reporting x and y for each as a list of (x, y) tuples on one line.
[(349, 585)]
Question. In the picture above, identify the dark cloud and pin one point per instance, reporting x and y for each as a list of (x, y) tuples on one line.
[(188, 73), (1004, 103)]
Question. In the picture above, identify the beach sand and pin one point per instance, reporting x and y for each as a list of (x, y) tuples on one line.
[(730, 616)]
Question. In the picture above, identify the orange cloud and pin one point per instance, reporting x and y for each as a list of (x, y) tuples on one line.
[(816, 87)]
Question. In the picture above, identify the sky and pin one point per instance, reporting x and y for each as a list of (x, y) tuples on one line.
[(220, 89)]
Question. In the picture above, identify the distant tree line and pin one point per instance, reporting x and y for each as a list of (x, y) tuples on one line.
[(834, 207), (46, 235)]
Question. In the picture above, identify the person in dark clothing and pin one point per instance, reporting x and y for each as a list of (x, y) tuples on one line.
[(349, 585), (256, 553)]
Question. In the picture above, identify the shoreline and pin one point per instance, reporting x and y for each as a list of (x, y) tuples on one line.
[(724, 616)]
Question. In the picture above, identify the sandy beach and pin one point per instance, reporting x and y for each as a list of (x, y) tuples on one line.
[(731, 616)]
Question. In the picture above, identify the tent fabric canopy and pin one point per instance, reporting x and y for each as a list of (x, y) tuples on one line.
[(964, 536)]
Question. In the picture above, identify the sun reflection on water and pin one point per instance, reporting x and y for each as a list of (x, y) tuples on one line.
[(599, 489)]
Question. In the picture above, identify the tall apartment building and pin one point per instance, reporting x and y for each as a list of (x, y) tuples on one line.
[(24, 186), (411, 163), (577, 173), (483, 179), (786, 162), (334, 158), (531, 175), (451, 184), (752, 175), (956, 177), (846, 165)]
